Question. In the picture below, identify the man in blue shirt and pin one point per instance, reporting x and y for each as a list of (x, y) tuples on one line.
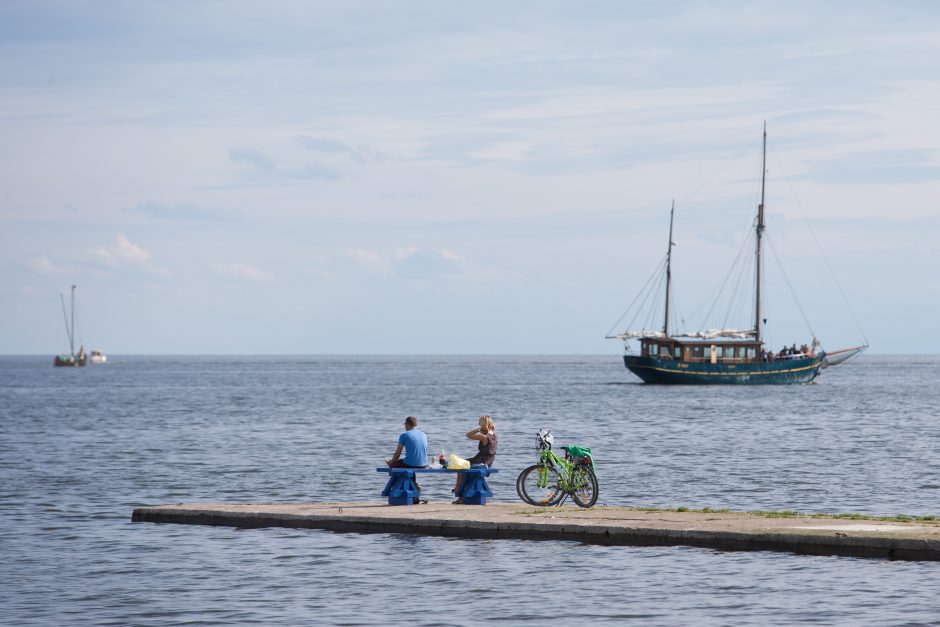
[(415, 444)]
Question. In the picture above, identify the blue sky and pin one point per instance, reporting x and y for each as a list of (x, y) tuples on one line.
[(443, 177)]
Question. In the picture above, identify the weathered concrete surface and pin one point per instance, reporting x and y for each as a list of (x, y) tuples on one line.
[(598, 525)]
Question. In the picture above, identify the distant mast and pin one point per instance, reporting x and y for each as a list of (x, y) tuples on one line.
[(72, 328), (669, 268), (760, 233), (69, 326)]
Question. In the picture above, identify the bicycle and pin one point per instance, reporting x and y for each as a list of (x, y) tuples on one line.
[(553, 478)]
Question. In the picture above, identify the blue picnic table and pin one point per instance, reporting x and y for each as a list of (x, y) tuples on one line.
[(401, 488)]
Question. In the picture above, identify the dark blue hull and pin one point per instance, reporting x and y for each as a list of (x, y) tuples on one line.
[(653, 370)]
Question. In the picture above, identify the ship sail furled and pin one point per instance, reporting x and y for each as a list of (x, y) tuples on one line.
[(720, 355)]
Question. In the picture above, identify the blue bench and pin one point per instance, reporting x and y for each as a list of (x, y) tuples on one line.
[(401, 488)]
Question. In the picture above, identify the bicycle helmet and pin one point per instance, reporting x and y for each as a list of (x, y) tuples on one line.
[(544, 439)]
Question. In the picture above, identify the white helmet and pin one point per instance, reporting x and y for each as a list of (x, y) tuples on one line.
[(544, 439)]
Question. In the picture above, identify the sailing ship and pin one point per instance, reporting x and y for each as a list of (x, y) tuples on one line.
[(725, 356), (73, 359)]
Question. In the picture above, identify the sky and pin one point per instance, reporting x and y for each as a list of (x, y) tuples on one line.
[(460, 178)]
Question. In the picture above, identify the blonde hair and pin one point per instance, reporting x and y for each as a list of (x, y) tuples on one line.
[(487, 424)]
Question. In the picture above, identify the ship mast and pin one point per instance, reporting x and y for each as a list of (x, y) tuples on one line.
[(65, 318), (72, 326), (69, 326), (669, 268), (760, 233)]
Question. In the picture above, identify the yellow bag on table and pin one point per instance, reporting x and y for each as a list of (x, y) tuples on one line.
[(457, 463)]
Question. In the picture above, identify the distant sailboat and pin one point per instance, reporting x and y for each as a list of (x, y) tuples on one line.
[(727, 356), (73, 359)]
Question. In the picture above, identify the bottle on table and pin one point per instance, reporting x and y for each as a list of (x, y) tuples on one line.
[(443, 459)]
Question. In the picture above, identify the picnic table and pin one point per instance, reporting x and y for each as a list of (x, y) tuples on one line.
[(401, 488)]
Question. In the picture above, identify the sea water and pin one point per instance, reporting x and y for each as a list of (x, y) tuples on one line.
[(80, 448)]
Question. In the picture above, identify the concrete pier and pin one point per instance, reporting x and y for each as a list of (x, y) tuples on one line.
[(598, 525)]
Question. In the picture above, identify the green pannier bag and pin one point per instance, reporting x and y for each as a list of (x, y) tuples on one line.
[(579, 453)]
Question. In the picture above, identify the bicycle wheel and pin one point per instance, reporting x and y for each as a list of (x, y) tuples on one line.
[(519, 490), (539, 485), (584, 485), (519, 485)]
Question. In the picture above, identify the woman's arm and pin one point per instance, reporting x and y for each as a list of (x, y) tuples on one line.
[(476, 434)]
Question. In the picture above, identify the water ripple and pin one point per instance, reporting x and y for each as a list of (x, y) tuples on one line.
[(80, 449)]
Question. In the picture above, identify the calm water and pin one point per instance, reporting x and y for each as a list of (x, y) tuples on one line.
[(79, 449)]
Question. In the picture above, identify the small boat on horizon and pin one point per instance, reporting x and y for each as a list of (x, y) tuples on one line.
[(725, 356), (97, 357), (72, 359)]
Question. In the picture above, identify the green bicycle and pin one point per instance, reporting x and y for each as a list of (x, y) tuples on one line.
[(553, 478)]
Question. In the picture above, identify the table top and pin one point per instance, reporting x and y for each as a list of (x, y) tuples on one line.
[(435, 470)]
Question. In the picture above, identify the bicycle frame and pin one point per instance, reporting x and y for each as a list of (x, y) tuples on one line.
[(552, 479), (549, 459)]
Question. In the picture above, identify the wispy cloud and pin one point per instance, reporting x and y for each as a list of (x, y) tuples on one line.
[(409, 263), (320, 144), (370, 260), (427, 264), (181, 211), (122, 251), (877, 167), (242, 272), (43, 266), (337, 148), (125, 255), (815, 53), (259, 167)]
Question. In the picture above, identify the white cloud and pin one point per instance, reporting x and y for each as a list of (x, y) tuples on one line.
[(410, 262), (105, 257), (370, 260), (44, 266), (404, 252), (122, 251), (407, 263), (123, 254), (129, 251), (242, 272), (414, 263)]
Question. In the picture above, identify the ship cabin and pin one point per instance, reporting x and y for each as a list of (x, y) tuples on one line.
[(715, 351)]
